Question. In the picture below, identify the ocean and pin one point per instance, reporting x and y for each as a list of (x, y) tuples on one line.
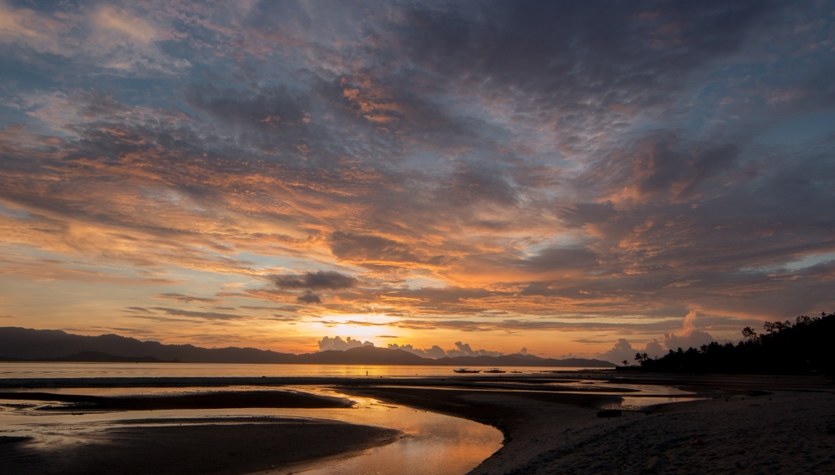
[(43, 370)]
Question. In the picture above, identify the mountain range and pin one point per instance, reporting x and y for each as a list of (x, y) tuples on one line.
[(23, 344)]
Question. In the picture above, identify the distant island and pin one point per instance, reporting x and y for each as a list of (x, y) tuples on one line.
[(24, 344)]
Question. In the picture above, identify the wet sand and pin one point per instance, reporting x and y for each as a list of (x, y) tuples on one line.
[(744, 424), (209, 400), (217, 447)]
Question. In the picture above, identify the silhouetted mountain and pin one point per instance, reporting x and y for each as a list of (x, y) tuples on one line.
[(22, 344), (99, 357), (55, 345), (365, 355)]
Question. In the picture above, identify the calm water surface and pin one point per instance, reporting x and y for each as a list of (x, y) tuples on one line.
[(432, 443), (182, 370)]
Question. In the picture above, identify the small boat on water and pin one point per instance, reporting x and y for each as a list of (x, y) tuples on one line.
[(465, 370), (495, 371)]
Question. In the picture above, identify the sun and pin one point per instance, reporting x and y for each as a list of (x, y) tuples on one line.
[(364, 327)]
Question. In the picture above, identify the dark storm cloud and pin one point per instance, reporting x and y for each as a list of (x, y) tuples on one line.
[(318, 280)]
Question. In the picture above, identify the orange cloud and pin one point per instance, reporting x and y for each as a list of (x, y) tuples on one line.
[(371, 102)]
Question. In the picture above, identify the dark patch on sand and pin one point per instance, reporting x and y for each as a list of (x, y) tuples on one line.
[(211, 400), (194, 448)]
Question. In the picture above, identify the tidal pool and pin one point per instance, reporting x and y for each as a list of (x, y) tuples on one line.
[(431, 443)]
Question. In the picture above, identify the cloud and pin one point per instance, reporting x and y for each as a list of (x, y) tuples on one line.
[(318, 280), (624, 351), (562, 258), (435, 351), (689, 336), (137, 309), (186, 298), (26, 26), (362, 247), (473, 182), (653, 349), (338, 344), (103, 36), (135, 29), (660, 166), (309, 297), (194, 314), (310, 283), (568, 54), (464, 349), (694, 339), (268, 111)]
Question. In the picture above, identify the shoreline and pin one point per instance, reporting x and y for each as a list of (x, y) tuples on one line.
[(744, 423)]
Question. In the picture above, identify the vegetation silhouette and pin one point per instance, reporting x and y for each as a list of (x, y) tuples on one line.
[(805, 347)]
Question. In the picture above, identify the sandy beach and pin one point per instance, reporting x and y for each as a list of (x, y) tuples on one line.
[(739, 424), (744, 424)]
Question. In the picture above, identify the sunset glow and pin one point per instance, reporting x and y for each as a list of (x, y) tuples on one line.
[(588, 179)]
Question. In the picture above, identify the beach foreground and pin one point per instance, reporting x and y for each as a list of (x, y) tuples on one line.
[(752, 424), (178, 445), (219, 446)]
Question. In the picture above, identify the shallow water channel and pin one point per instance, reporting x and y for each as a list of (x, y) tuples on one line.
[(431, 443)]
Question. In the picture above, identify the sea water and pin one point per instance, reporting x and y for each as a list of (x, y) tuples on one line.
[(41, 370)]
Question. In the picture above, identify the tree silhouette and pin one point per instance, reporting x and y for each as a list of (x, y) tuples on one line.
[(804, 346)]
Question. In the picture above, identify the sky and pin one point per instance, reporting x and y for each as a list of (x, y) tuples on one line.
[(562, 178)]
